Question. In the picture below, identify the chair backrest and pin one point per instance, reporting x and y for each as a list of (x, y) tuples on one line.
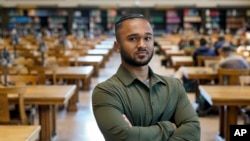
[(41, 72), (201, 59), (5, 94), (214, 64), (231, 76), (21, 64), (65, 59), (21, 79), (21, 61), (10, 70), (244, 80)]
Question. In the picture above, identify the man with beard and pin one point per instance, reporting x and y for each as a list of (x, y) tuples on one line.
[(136, 104)]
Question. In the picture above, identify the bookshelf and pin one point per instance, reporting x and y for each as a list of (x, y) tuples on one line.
[(158, 21), (1, 19), (248, 16), (81, 19), (173, 20), (111, 18), (57, 19), (18, 18), (235, 19), (38, 18), (214, 20), (192, 19), (95, 23), (35, 19)]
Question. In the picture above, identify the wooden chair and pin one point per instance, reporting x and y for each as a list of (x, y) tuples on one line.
[(212, 64), (5, 94), (23, 80), (201, 59), (10, 70), (244, 82), (65, 59), (231, 76), (41, 72)]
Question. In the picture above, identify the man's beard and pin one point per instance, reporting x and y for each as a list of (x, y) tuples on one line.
[(131, 61)]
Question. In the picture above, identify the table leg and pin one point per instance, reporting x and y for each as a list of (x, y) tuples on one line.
[(73, 100), (53, 128), (222, 121), (86, 83), (96, 70), (196, 89), (45, 120), (231, 116)]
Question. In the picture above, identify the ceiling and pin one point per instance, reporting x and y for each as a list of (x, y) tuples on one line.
[(126, 3)]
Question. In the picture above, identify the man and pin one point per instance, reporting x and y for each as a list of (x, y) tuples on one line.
[(203, 50), (231, 61), (218, 44), (136, 104)]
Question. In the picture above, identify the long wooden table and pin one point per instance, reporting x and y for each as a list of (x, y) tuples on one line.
[(197, 74), (46, 97), (19, 132), (82, 73), (104, 52), (94, 60), (177, 61), (110, 47), (229, 98)]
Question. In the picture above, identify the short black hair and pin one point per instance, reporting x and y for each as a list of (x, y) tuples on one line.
[(227, 48), (191, 42), (221, 38), (203, 41), (129, 16), (124, 18)]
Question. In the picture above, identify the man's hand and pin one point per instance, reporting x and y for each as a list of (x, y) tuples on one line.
[(126, 119)]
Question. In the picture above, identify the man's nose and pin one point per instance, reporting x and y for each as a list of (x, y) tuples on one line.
[(141, 43)]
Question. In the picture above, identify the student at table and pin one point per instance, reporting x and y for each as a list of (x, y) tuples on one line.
[(64, 41), (136, 104), (230, 60), (203, 50), (219, 43), (190, 47)]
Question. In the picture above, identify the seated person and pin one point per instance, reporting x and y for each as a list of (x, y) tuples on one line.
[(218, 44), (64, 41), (229, 60), (183, 42), (203, 50), (190, 47)]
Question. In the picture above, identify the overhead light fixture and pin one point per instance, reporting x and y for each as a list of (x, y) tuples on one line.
[(137, 3)]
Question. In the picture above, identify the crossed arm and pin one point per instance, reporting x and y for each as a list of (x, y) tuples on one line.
[(116, 126), (130, 125)]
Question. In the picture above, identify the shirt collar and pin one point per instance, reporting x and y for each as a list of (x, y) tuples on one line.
[(127, 78)]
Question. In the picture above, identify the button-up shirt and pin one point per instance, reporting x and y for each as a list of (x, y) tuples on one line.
[(151, 109)]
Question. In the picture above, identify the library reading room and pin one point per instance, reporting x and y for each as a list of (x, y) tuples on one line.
[(124, 70)]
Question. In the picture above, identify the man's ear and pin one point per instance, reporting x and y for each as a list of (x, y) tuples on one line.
[(117, 47)]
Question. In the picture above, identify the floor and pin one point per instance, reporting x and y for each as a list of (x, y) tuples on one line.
[(81, 125)]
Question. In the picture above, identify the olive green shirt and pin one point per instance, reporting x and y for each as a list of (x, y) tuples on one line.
[(150, 109)]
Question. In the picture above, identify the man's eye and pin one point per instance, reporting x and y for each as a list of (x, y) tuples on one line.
[(132, 39), (148, 38)]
